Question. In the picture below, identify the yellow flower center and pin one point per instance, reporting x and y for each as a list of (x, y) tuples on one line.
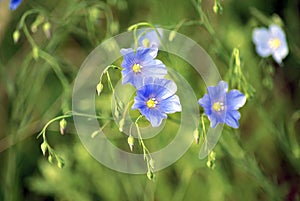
[(218, 106), (136, 68), (274, 43), (151, 103), (146, 42)]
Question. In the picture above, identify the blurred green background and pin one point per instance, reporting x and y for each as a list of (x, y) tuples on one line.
[(258, 161)]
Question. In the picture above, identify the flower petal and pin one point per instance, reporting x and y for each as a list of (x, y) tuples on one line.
[(261, 37), (170, 105), (235, 99), (205, 103), (232, 118), (218, 93), (14, 4), (277, 32), (154, 116)]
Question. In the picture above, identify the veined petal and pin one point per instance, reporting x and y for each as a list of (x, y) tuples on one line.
[(170, 105), (232, 118), (277, 32), (144, 54), (235, 99), (205, 102), (155, 117), (218, 93)]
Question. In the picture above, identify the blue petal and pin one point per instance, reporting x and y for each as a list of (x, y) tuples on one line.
[(235, 99), (261, 37), (277, 32), (213, 121), (125, 52), (218, 93), (144, 54), (170, 105), (151, 36), (154, 116), (205, 102), (14, 4), (232, 118)]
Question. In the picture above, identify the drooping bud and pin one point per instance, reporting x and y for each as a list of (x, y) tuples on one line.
[(50, 158), (16, 36), (62, 126), (211, 160), (47, 29), (121, 124), (44, 147), (130, 141), (99, 88), (35, 53), (150, 175), (38, 21), (196, 136)]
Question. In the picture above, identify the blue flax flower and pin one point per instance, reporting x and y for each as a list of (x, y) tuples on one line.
[(155, 98), (271, 41), (14, 4), (151, 38), (140, 64), (221, 106)]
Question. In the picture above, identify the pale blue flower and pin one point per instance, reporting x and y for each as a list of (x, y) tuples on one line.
[(271, 41), (140, 64), (221, 106), (155, 98)]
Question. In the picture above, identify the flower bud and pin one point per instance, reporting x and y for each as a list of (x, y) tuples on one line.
[(196, 136), (99, 88), (121, 124), (16, 36), (47, 29), (44, 147), (150, 175), (130, 141), (63, 126), (35, 53), (50, 159)]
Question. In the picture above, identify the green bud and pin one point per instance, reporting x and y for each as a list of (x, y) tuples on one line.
[(35, 53), (50, 158), (94, 14), (38, 21), (60, 164), (196, 136), (121, 124), (130, 141), (99, 88), (146, 42), (44, 147), (150, 175), (62, 126), (16, 36), (47, 29), (172, 35)]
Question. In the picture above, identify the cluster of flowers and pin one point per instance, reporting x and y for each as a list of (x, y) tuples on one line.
[(155, 96)]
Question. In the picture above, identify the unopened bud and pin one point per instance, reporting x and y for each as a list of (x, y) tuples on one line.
[(47, 29), (99, 88), (35, 53), (121, 124), (16, 36), (39, 20), (130, 141), (60, 164), (44, 147), (50, 159), (150, 175), (172, 35), (62, 126), (196, 136)]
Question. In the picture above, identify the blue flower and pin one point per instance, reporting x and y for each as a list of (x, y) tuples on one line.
[(221, 106), (271, 42), (140, 64), (151, 38), (14, 4), (155, 98)]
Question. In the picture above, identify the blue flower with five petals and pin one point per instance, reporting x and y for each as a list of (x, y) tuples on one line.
[(221, 106), (271, 41), (14, 4), (155, 98), (140, 64)]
